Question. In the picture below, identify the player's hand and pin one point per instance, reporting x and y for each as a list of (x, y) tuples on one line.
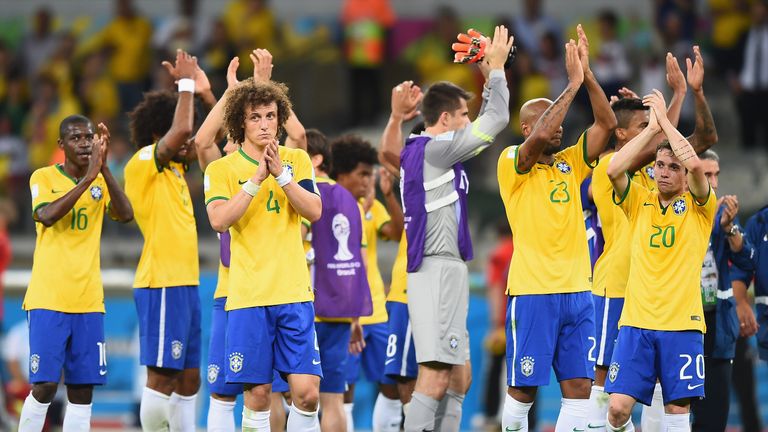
[(497, 51), (730, 205), (272, 158), (96, 159), (356, 340), (262, 172), (655, 100), (747, 323), (103, 136), (653, 122), (627, 93), (202, 84), (232, 72), (184, 67), (385, 181), (583, 48), (695, 70), (406, 98), (573, 64), (675, 77), (262, 64)]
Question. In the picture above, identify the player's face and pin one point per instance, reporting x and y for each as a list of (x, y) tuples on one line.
[(637, 123), (553, 146), (183, 154), (669, 173), (358, 180), (459, 118), (77, 142), (261, 124), (711, 171)]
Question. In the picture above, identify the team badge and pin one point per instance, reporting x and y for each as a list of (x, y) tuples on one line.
[(613, 371), (96, 192), (289, 168), (34, 363), (453, 342), (679, 206), (176, 348), (564, 167), (213, 373), (526, 365), (649, 172), (236, 362)]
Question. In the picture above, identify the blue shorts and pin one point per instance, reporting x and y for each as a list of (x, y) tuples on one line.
[(675, 358), (169, 327), (333, 339), (401, 354), (70, 341), (761, 314), (607, 314), (216, 364), (280, 385), (549, 331), (372, 357), (263, 338)]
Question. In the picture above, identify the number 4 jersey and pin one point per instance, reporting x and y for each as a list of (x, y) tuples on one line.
[(544, 211), (668, 245), (66, 274), (267, 264)]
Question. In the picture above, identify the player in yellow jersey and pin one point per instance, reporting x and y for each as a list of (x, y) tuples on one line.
[(260, 193), (65, 296), (661, 325), (550, 275), (167, 276), (612, 268)]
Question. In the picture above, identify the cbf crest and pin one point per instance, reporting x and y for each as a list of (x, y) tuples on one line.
[(213, 373), (289, 168), (563, 167), (34, 363), (613, 371), (649, 172), (236, 362), (176, 348), (96, 193), (526, 365), (679, 206), (453, 342)]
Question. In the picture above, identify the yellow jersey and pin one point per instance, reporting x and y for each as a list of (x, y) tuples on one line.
[(543, 208), (162, 208), (374, 220), (612, 267), (222, 279), (66, 271), (398, 289), (267, 265), (667, 248)]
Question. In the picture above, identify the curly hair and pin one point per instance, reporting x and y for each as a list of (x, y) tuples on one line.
[(152, 117), (249, 94), (348, 151)]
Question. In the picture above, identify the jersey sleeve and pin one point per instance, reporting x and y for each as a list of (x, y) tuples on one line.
[(576, 156), (601, 183), (380, 216), (40, 188), (708, 208), (632, 199), (509, 176), (216, 185), (304, 173)]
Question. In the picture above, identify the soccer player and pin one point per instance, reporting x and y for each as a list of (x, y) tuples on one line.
[(260, 193), (550, 312), (168, 274), (65, 296), (612, 268), (661, 324), (434, 189)]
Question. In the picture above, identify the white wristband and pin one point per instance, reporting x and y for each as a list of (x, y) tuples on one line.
[(186, 85), (251, 188), (284, 178)]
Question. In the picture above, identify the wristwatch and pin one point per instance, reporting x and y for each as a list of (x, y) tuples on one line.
[(733, 231)]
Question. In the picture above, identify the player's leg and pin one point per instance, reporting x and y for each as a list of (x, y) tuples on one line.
[(352, 373), (652, 416), (607, 314), (711, 413), (681, 362), (184, 397), (387, 410), (400, 364), (448, 417), (221, 406), (333, 341), (278, 413)]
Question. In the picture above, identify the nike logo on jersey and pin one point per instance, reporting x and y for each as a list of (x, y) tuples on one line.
[(54, 191), (691, 387), (509, 429), (647, 204), (589, 426), (242, 182), (102, 372), (388, 361), (578, 430), (315, 362)]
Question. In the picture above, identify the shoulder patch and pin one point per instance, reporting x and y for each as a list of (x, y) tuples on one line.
[(511, 152), (145, 153), (35, 189)]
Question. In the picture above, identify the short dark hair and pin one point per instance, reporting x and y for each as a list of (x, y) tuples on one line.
[(72, 120), (624, 109), (348, 151), (250, 93), (664, 145), (317, 143), (441, 97), (709, 154)]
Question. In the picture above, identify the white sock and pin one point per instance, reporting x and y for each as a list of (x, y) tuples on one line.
[(573, 415), (221, 416), (32, 415), (153, 411), (77, 417), (302, 421), (598, 409), (255, 421), (653, 415), (677, 422), (387, 414), (626, 427), (515, 415), (182, 414), (348, 407)]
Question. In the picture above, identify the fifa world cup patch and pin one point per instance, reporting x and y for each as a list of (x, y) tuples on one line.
[(679, 206), (34, 363), (613, 371), (564, 167), (236, 362), (526, 365), (213, 373), (176, 349), (96, 193)]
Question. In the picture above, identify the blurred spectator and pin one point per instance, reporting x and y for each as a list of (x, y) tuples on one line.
[(215, 55), (186, 30), (120, 152), (49, 107), (250, 25), (8, 216), (531, 25), (365, 23), (126, 40), (683, 10), (527, 84), (752, 86), (611, 66), (39, 44), (551, 64), (730, 22), (98, 91)]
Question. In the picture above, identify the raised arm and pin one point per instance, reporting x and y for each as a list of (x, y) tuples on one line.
[(181, 128), (210, 131), (550, 121), (605, 120), (625, 157), (705, 133), (394, 229), (120, 208), (405, 101), (222, 214)]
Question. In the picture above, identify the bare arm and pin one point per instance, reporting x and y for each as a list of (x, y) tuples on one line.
[(705, 133), (120, 207), (181, 128), (223, 214), (394, 229), (747, 322), (623, 159), (296, 134), (306, 203), (211, 129), (405, 101)]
